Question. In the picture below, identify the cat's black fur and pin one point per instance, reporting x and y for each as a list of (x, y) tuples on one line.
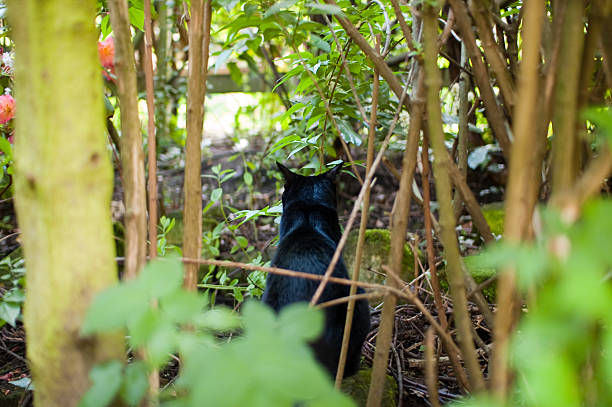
[(309, 235)]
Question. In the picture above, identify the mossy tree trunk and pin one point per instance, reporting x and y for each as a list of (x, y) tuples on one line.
[(63, 184)]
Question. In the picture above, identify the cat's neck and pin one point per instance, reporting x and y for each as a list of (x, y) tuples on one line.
[(319, 218)]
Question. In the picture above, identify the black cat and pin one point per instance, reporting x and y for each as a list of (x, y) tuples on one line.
[(309, 235)]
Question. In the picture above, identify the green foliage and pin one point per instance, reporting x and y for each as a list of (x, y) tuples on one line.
[(560, 350), (12, 295), (275, 363)]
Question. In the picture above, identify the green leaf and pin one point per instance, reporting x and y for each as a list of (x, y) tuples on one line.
[(235, 73), (5, 147), (218, 319), (9, 311), (248, 178), (242, 241), (182, 306), (277, 7), (161, 345), (318, 8), (301, 322), (320, 43), (215, 195), (285, 141), (106, 381), (161, 277), (347, 132), (135, 383), (113, 308), (136, 17)]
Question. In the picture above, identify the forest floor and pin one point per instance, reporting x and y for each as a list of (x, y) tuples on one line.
[(406, 363)]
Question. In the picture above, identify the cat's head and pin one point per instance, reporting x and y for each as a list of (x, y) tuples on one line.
[(316, 189)]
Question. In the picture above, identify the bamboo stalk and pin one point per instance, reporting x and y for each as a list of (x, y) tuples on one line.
[(443, 190)]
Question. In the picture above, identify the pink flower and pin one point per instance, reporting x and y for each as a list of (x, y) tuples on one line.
[(106, 52), (7, 108)]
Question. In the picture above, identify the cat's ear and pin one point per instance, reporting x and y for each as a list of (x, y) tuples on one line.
[(287, 173), (334, 172)]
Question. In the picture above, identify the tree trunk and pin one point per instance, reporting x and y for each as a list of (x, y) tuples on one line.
[(63, 183)]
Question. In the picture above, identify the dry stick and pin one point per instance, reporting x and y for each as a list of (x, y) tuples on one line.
[(152, 142), (564, 151), (523, 173), (152, 164), (407, 295), (496, 60), (443, 190), (431, 369), (199, 39), (492, 109), (362, 225), (462, 133), (349, 299), (351, 220), (398, 226), (131, 148)]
